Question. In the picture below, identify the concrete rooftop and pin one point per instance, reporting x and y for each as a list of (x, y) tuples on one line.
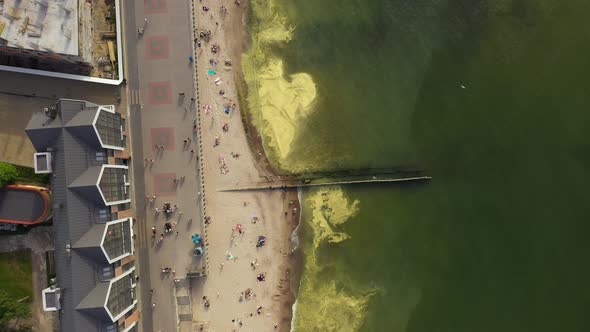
[(44, 25)]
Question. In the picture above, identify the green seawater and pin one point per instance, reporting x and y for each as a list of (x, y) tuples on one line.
[(492, 98)]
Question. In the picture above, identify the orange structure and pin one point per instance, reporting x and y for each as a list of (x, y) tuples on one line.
[(24, 204)]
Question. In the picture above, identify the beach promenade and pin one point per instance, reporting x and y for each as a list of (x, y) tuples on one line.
[(165, 169)]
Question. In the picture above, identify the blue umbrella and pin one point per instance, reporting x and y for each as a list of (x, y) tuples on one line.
[(196, 238)]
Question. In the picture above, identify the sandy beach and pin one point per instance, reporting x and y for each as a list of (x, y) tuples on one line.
[(248, 287)]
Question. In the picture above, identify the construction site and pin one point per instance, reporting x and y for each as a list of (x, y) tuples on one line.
[(76, 37)]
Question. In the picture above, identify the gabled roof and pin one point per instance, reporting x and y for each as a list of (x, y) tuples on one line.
[(93, 303), (77, 207), (83, 118), (82, 126), (109, 301), (89, 244), (85, 184), (43, 130), (107, 243), (97, 126), (104, 184)]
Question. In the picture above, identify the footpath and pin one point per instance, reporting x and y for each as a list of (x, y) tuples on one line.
[(169, 162)]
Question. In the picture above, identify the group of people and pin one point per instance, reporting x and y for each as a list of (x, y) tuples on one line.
[(213, 74)]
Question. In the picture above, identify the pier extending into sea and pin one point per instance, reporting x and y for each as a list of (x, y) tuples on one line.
[(315, 180)]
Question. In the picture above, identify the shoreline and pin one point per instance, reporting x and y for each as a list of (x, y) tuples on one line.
[(295, 260), (282, 209)]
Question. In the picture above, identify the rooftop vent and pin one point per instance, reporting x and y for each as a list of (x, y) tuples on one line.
[(50, 112), (43, 163), (51, 299)]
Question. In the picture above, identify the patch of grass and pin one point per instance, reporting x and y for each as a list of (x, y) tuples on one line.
[(16, 274)]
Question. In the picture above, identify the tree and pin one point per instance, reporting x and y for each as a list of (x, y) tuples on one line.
[(11, 309), (7, 173)]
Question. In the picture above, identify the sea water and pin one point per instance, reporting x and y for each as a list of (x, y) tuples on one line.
[(491, 98)]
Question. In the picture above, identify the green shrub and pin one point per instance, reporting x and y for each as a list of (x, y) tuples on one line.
[(27, 174), (8, 173)]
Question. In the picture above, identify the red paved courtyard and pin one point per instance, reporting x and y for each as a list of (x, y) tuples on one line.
[(164, 184), (160, 93), (163, 136), (157, 47), (155, 6)]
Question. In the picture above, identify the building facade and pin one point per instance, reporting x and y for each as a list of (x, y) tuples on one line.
[(83, 147)]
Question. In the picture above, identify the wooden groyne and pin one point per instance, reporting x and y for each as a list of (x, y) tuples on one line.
[(299, 183)]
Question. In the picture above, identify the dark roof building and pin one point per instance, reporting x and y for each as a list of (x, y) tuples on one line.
[(85, 146)]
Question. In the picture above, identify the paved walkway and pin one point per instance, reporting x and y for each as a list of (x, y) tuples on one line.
[(160, 116)]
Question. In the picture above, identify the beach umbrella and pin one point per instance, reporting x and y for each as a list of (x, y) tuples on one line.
[(196, 238), (198, 251)]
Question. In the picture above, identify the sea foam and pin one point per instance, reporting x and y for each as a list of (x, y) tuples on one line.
[(328, 302), (278, 103)]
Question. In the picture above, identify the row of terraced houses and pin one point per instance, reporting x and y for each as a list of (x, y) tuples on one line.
[(83, 146)]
